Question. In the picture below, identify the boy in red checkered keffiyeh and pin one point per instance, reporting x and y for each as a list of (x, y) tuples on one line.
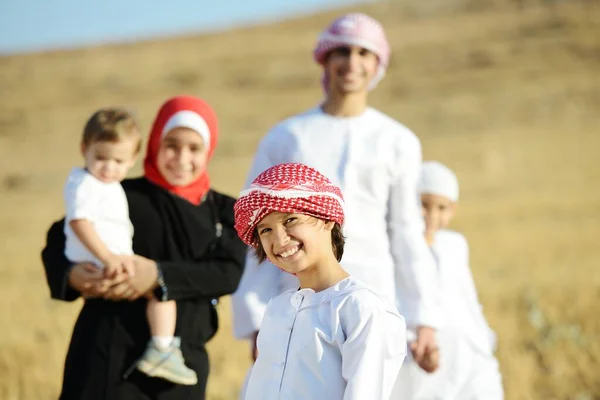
[(287, 214), (334, 337)]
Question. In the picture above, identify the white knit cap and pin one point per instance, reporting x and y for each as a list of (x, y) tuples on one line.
[(439, 180), (191, 120)]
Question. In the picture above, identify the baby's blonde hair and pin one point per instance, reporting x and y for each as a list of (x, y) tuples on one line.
[(111, 125)]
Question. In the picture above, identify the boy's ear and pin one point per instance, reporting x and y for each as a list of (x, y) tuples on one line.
[(82, 148), (329, 225), (453, 207)]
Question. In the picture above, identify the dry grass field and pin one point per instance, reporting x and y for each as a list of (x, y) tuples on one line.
[(507, 93)]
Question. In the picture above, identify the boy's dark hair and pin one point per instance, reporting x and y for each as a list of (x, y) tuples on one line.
[(111, 125), (337, 243)]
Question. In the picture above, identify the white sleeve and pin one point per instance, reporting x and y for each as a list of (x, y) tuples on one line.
[(469, 290), (374, 349), (416, 277), (271, 151), (259, 283), (464, 269), (81, 197)]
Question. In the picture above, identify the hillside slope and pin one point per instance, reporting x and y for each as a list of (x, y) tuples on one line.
[(506, 93)]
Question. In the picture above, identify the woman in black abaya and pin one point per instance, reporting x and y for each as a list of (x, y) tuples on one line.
[(186, 250)]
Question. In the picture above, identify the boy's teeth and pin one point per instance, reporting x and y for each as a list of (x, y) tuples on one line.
[(289, 253)]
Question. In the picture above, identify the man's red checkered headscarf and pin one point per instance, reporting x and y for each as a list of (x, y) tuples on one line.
[(287, 188)]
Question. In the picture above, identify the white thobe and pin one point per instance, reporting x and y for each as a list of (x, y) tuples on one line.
[(376, 162), (105, 206), (345, 342), (468, 369)]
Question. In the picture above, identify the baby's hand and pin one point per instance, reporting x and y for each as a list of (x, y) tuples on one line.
[(127, 265), (112, 266), (117, 264)]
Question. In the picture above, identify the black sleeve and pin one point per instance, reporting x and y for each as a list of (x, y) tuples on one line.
[(217, 274), (56, 265)]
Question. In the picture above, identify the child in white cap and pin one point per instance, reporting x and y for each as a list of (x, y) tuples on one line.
[(468, 369)]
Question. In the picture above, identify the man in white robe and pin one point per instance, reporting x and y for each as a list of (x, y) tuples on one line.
[(375, 160)]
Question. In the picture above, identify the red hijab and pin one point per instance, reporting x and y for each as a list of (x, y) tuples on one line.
[(195, 191)]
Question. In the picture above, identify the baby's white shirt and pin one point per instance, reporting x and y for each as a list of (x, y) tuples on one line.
[(105, 206)]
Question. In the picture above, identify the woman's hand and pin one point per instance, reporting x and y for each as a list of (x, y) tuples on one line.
[(89, 280), (132, 287)]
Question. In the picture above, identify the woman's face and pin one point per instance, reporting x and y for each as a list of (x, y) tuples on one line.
[(182, 156)]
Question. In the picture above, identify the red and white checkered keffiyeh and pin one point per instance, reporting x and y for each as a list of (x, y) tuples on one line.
[(287, 188), (355, 29)]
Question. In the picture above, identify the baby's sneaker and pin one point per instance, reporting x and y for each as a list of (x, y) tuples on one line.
[(167, 364)]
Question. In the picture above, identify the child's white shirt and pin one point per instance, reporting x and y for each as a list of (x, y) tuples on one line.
[(345, 342), (468, 368), (463, 314), (376, 162), (105, 206)]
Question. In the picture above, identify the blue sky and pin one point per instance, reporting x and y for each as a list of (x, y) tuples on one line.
[(34, 25)]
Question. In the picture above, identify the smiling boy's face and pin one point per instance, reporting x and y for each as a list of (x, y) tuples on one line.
[(437, 212), (295, 242)]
